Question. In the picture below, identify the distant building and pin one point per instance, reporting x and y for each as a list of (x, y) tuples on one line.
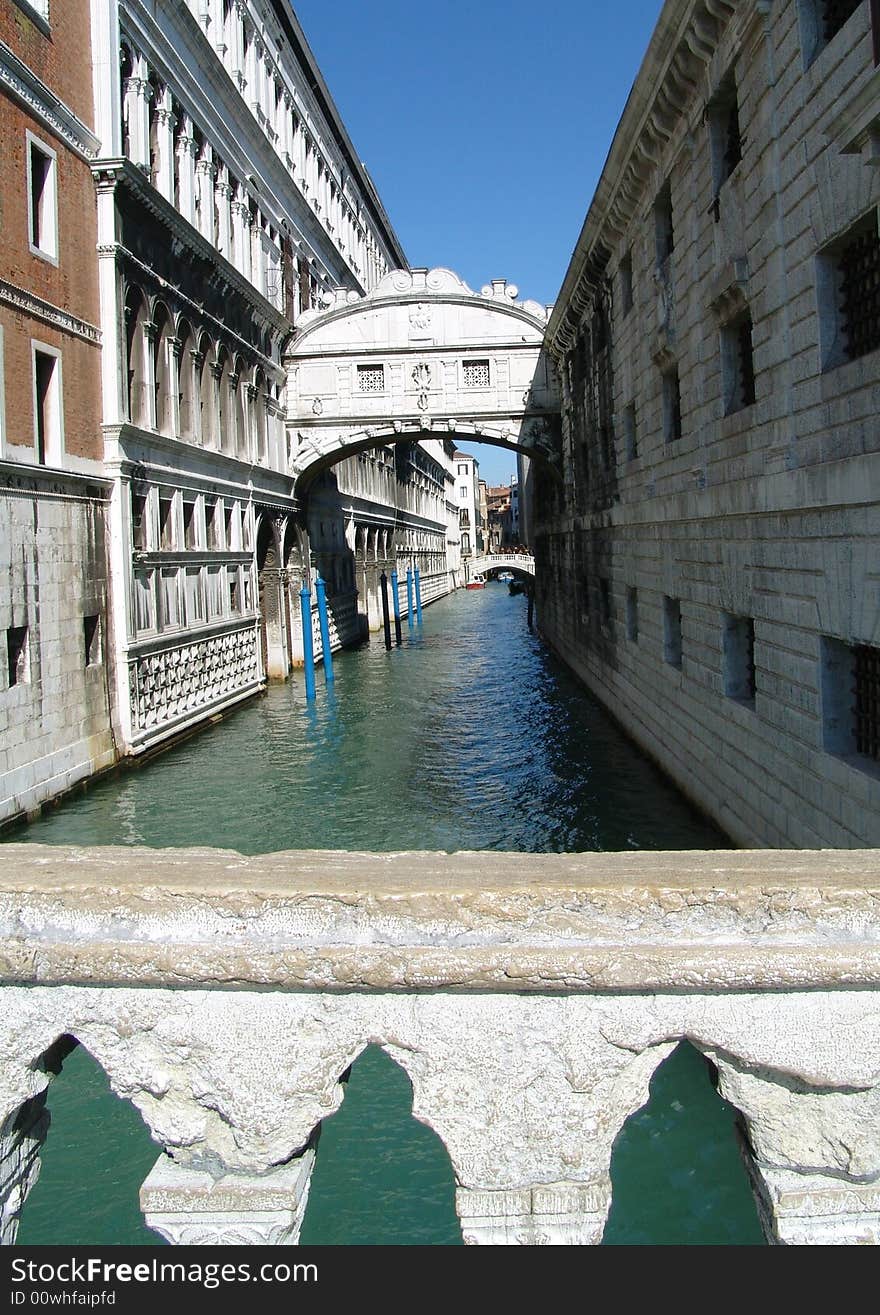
[(467, 480)]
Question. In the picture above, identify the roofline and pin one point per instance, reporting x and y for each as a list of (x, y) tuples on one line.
[(319, 89)]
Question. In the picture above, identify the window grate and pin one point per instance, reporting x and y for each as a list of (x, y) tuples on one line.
[(859, 265), (867, 704), (745, 362), (733, 142), (835, 13), (475, 374), (371, 378)]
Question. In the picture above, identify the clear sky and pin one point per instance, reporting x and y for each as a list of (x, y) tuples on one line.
[(484, 125)]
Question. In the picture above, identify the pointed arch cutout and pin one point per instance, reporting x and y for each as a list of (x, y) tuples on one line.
[(676, 1173), (381, 1177)]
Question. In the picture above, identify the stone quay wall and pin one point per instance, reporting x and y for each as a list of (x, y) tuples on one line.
[(529, 999), (708, 565)]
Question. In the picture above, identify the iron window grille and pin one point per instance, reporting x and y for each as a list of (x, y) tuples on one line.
[(866, 710), (858, 265), (475, 374)]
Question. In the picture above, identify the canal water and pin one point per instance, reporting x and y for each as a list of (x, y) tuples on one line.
[(469, 736)]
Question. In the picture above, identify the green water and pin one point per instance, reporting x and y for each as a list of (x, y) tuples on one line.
[(471, 736)]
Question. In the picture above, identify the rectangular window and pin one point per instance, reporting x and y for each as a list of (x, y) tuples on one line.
[(190, 525), (604, 601), (166, 521), (170, 599), (371, 378), (724, 133), (632, 615), (738, 657), (42, 199), (663, 231), (475, 374), (48, 416), (92, 640), (850, 698), (138, 521), (233, 584), (820, 22), (212, 523), (144, 601), (214, 593), (737, 364), (857, 270), (626, 284), (194, 600), (630, 438), (17, 655), (671, 406), (672, 631)]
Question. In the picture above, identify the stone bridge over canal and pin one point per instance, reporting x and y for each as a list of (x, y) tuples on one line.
[(529, 998), (520, 563), (421, 355)]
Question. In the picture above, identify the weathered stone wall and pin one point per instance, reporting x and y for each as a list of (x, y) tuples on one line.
[(763, 514), (55, 694), (529, 998)]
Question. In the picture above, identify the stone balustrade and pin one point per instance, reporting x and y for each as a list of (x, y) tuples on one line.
[(529, 998)]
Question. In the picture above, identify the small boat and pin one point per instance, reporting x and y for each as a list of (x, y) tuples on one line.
[(505, 576), (516, 586), (478, 582)]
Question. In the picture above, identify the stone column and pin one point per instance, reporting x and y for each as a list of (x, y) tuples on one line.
[(205, 174), (188, 1207), (811, 1153), (165, 124), (223, 194), (186, 171), (136, 94)]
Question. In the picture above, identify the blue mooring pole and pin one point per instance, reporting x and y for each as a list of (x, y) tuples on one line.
[(321, 595), (418, 584), (305, 607), (409, 597), (396, 602)]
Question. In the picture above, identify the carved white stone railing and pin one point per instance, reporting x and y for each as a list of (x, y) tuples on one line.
[(523, 563), (528, 998)]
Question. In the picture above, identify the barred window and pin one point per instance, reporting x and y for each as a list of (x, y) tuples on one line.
[(672, 430), (866, 710), (475, 374), (858, 265), (371, 378), (738, 657), (737, 364)]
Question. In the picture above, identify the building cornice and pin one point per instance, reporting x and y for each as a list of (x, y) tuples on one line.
[(20, 299), (680, 51), (18, 81)]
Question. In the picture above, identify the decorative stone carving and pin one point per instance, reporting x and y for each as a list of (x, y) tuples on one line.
[(178, 680), (562, 1214), (191, 1208)]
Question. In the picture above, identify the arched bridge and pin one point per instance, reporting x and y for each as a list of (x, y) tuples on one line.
[(522, 563), (421, 356)]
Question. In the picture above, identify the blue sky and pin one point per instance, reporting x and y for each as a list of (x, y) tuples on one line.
[(484, 125)]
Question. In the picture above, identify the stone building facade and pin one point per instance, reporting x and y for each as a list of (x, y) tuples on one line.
[(709, 563), (230, 199), (56, 658)]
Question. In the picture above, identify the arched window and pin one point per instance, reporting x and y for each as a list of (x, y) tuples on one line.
[(186, 381), (135, 319), (207, 400), (240, 437), (126, 71), (225, 433), (162, 370), (258, 418)]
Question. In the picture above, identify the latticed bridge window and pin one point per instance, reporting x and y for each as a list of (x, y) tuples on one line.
[(475, 374), (371, 378), (858, 265), (867, 700)]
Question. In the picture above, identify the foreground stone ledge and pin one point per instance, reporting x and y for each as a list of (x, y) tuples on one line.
[(314, 920)]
